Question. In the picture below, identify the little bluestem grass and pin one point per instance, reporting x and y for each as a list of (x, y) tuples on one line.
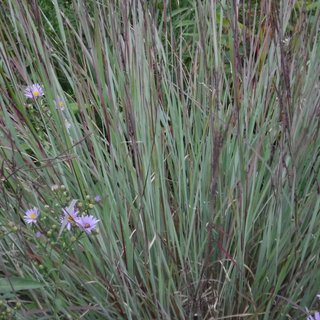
[(197, 125)]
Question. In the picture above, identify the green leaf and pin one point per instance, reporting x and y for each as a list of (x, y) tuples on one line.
[(18, 284), (185, 23), (74, 107), (58, 304)]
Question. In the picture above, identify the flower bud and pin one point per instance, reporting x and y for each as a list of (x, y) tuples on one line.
[(96, 231)]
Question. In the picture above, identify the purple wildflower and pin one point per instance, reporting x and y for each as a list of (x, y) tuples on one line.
[(31, 216), (97, 199), (59, 103), (316, 316), (88, 223), (38, 234), (54, 187), (67, 124), (34, 91), (72, 217)]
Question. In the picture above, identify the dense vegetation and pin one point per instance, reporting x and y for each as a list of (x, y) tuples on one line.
[(189, 129)]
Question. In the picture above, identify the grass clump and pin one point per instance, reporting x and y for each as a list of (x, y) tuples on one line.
[(170, 168)]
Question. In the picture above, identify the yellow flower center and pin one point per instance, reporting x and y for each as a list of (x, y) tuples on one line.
[(87, 225), (33, 216), (61, 104), (35, 93), (70, 219)]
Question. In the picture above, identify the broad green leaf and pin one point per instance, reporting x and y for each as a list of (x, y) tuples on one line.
[(73, 107), (18, 284)]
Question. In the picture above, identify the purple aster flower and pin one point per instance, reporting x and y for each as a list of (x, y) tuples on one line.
[(88, 223), (316, 316), (97, 199), (59, 103), (54, 187), (31, 216), (34, 91), (72, 217), (67, 124), (38, 234)]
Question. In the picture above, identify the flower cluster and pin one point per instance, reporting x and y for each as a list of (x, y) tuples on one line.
[(34, 91), (87, 223)]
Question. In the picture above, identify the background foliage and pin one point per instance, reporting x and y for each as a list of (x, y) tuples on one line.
[(197, 122)]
